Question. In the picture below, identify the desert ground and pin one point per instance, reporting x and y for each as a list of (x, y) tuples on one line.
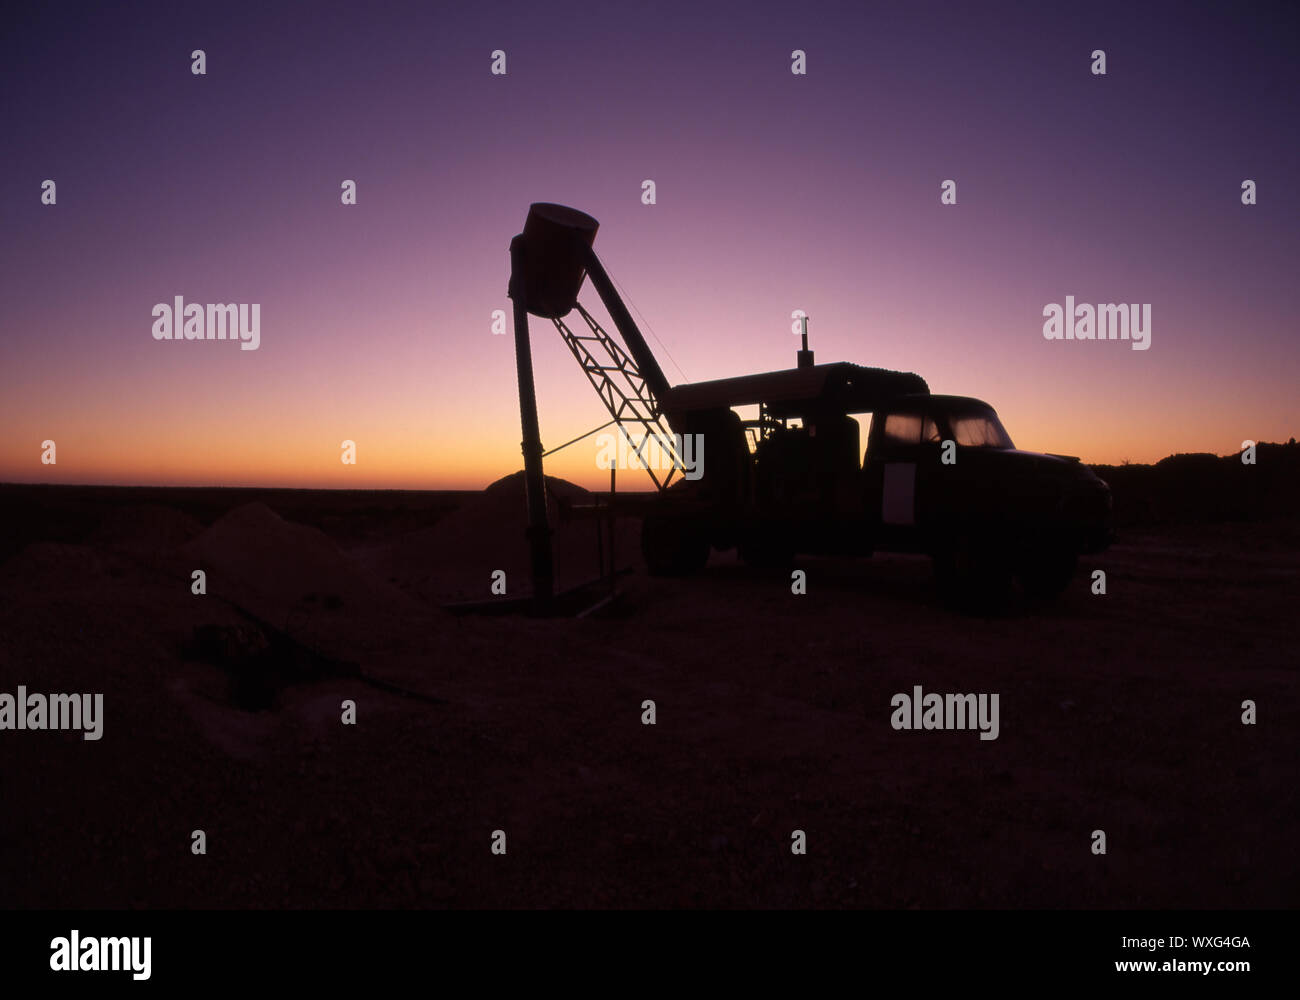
[(223, 713)]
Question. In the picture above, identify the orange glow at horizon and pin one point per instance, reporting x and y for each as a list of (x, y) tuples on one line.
[(399, 449)]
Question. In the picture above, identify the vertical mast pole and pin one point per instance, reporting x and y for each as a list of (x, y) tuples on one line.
[(539, 528)]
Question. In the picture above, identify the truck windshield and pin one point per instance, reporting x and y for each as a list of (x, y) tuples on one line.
[(979, 430)]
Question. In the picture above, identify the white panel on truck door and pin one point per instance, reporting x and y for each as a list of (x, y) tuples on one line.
[(898, 504)]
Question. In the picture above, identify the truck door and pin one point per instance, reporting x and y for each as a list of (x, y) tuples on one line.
[(899, 468), (898, 495)]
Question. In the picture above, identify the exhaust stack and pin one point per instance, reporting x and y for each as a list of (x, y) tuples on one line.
[(804, 356)]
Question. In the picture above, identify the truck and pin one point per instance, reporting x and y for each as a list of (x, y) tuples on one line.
[(939, 476)]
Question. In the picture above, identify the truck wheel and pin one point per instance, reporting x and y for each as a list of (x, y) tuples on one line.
[(1044, 575), (673, 546), (973, 574)]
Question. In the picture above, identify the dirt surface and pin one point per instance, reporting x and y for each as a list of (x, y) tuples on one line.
[(1119, 713)]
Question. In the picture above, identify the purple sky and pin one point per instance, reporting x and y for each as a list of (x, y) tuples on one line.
[(775, 192)]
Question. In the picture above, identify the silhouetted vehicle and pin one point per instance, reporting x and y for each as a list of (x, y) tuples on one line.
[(940, 474)]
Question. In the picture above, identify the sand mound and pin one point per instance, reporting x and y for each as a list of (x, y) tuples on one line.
[(511, 489), (455, 558), (273, 567), (491, 526)]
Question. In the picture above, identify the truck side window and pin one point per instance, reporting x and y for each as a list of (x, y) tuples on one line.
[(903, 429), (931, 433)]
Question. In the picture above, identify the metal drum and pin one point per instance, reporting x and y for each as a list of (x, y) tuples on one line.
[(553, 241)]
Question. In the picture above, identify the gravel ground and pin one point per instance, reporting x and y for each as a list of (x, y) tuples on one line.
[(1119, 713)]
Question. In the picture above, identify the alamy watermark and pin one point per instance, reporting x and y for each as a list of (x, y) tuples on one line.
[(683, 452), (946, 711), (1105, 321), (215, 321), (55, 711), (102, 954)]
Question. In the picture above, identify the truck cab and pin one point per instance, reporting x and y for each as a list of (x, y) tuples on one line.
[(943, 477), (940, 476)]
